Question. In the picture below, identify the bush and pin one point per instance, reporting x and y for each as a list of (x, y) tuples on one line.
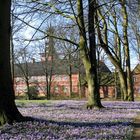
[(33, 93), (22, 97)]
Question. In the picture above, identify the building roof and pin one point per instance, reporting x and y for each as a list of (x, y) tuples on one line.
[(58, 67), (103, 67), (136, 70)]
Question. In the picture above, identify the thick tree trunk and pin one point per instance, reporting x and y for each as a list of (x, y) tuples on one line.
[(90, 68), (93, 58), (123, 85), (93, 90), (8, 109)]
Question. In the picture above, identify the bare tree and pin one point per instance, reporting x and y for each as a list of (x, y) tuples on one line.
[(114, 54)]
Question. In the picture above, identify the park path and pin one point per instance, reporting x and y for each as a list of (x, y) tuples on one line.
[(136, 131)]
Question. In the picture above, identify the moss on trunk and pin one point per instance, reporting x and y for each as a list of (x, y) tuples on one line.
[(87, 55), (3, 118)]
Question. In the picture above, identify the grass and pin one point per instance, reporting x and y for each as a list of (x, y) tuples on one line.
[(33, 101), (26, 103)]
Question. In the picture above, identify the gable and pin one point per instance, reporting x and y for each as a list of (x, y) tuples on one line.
[(136, 70)]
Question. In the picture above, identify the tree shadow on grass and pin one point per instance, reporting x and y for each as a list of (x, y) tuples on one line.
[(83, 124), (136, 125), (52, 127)]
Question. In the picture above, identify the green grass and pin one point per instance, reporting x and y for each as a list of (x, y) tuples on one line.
[(27, 102), (33, 101)]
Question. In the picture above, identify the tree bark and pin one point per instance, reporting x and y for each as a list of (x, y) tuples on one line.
[(88, 59), (8, 109), (127, 53), (92, 53)]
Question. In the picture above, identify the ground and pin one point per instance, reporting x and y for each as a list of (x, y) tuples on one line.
[(70, 120)]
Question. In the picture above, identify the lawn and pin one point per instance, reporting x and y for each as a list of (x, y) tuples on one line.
[(70, 120)]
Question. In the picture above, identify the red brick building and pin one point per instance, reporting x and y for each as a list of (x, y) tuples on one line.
[(59, 73), (136, 80)]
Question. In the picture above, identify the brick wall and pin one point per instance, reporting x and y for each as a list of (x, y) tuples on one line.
[(60, 85), (136, 80)]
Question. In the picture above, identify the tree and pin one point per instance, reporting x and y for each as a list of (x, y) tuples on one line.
[(88, 56), (69, 53), (114, 53), (69, 59), (50, 60), (8, 109), (24, 68), (127, 52)]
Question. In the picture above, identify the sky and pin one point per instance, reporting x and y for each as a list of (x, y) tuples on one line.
[(27, 33)]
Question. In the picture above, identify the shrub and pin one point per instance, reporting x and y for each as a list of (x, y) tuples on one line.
[(33, 92)]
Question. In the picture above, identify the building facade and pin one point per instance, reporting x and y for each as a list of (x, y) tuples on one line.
[(64, 79), (136, 80)]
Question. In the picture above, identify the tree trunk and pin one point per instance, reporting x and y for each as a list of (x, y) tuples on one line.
[(123, 85), (79, 85), (8, 109), (80, 90), (70, 75), (47, 86), (93, 92), (116, 84), (90, 68), (70, 80), (127, 54), (92, 54), (28, 88)]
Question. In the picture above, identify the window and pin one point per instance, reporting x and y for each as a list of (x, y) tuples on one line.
[(56, 89), (65, 89), (134, 79)]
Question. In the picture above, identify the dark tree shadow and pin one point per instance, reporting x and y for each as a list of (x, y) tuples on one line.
[(82, 124)]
